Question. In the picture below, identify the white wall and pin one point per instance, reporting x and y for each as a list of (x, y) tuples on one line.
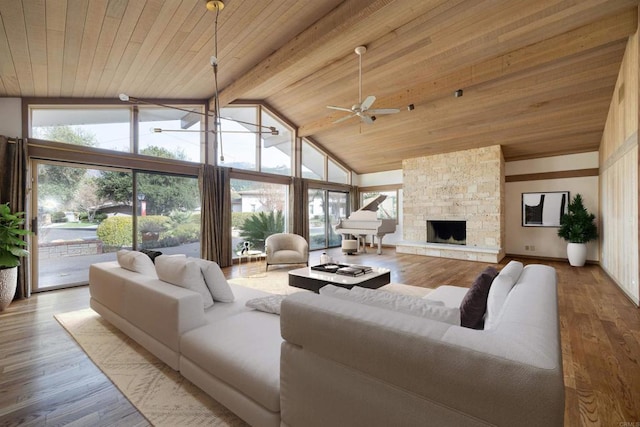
[(545, 239), (11, 117)]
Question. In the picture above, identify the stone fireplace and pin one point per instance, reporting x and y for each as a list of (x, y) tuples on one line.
[(448, 232), (464, 186)]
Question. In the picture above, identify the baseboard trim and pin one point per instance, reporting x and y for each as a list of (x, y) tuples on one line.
[(546, 258)]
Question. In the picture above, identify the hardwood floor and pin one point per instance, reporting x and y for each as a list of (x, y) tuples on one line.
[(46, 379)]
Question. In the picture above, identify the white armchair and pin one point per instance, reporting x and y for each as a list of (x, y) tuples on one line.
[(286, 248)]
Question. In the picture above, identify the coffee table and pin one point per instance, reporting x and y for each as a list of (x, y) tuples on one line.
[(313, 280)]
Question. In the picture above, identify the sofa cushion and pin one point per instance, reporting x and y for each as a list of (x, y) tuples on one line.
[(215, 280), (242, 350), (406, 304), (136, 261), (474, 304), (185, 273), (499, 290)]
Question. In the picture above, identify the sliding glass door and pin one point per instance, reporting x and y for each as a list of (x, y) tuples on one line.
[(86, 214), (325, 210), (70, 205), (259, 209)]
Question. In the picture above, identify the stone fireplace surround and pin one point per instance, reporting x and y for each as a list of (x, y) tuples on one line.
[(466, 185)]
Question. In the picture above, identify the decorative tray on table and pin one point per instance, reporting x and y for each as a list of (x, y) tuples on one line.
[(331, 267)]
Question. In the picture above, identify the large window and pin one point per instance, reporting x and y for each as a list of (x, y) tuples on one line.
[(100, 127), (325, 210), (388, 209), (161, 197), (259, 209), (312, 162), (168, 214), (336, 173), (252, 138), (319, 166), (276, 150), (162, 131), (170, 133)]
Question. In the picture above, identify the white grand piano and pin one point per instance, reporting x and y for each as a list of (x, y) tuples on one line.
[(364, 222)]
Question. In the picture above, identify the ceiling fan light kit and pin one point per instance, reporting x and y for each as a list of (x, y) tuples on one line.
[(363, 109)]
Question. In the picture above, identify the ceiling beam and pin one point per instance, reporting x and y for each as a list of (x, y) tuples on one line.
[(328, 29), (596, 34)]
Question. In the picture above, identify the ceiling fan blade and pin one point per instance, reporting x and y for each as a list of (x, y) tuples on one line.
[(342, 119), (339, 108), (368, 102), (366, 119), (384, 111)]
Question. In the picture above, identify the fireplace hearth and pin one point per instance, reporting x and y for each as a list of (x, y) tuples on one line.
[(448, 232)]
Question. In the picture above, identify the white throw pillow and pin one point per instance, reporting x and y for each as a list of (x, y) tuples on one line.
[(500, 288), (215, 280), (407, 304), (180, 271), (136, 261), (270, 304)]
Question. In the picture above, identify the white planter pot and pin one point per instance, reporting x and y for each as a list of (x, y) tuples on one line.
[(577, 254), (8, 282)]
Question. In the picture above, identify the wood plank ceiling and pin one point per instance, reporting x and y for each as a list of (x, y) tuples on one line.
[(538, 76)]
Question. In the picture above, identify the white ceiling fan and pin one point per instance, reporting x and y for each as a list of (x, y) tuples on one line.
[(363, 108)]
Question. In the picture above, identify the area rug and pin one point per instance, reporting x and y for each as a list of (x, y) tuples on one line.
[(161, 394), (274, 281)]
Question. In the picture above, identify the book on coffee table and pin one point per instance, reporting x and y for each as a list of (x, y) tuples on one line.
[(351, 271), (364, 268)]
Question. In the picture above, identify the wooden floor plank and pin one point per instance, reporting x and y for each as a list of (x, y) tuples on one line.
[(46, 379)]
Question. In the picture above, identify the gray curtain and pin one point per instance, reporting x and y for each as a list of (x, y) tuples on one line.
[(300, 199), (354, 198), (215, 240), (13, 189)]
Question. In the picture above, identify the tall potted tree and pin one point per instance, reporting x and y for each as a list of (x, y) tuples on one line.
[(11, 250), (577, 227)]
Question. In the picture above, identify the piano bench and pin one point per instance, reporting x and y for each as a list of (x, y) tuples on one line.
[(349, 246)]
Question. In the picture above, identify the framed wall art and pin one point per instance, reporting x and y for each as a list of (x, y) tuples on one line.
[(544, 209)]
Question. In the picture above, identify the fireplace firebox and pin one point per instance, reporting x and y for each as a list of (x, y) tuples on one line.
[(449, 232)]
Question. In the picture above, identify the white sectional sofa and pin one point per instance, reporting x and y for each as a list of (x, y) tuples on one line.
[(351, 363), (230, 351), (347, 363)]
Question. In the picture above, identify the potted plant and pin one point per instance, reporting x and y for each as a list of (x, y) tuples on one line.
[(577, 227), (11, 250)]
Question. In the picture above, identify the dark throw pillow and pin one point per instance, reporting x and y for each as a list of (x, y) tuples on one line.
[(474, 303), (151, 254)]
